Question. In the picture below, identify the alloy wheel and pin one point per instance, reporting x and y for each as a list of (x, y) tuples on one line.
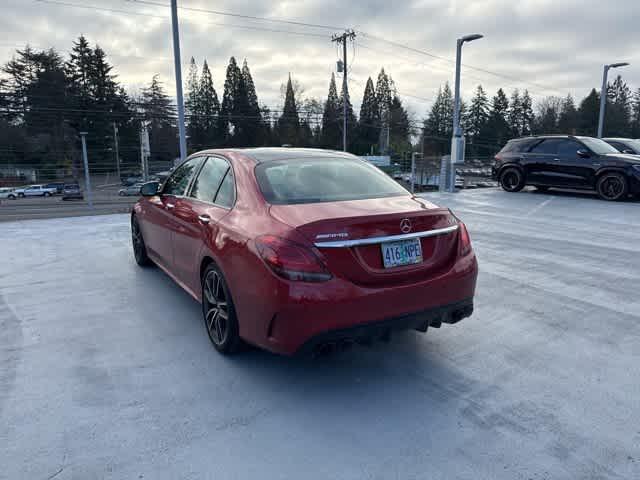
[(216, 308), (611, 187), (510, 180), (136, 238)]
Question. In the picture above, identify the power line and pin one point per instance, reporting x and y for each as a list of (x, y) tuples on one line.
[(166, 17), (239, 15), (448, 60)]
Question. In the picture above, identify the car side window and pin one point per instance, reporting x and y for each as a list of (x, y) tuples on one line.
[(178, 182), (227, 192), (208, 182), (617, 145), (569, 148), (547, 147)]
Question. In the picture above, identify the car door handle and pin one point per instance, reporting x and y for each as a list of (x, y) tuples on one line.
[(169, 206), (204, 219)]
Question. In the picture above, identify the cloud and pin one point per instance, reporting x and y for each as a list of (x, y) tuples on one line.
[(549, 47)]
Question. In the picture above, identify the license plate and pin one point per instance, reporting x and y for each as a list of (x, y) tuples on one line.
[(406, 252)]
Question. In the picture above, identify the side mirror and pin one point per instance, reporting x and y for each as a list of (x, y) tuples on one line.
[(149, 189), (583, 153)]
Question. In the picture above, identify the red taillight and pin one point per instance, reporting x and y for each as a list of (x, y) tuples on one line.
[(465, 240), (291, 260)]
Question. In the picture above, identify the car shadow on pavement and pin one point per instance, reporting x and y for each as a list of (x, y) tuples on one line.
[(582, 194)]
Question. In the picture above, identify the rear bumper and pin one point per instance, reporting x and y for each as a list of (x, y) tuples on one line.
[(382, 330), (303, 315)]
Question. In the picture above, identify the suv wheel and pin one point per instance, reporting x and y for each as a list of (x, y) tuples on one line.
[(21, 195), (512, 180), (612, 186), (12, 197)]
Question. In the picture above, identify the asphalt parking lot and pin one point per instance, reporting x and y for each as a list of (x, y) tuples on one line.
[(106, 370)]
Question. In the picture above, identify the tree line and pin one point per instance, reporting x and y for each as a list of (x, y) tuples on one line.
[(47, 100), (490, 123)]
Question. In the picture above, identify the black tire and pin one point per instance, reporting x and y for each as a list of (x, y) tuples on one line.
[(139, 248), (121, 194), (21, 195), (219, 313), (11, 197), (47, 194), (612, 186), (511, 180)]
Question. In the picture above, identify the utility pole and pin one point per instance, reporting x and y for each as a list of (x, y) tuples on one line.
[(87, 178), (117, 149), (178, 67), (342, 39)]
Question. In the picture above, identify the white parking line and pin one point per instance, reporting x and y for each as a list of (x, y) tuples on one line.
[(539, 207)]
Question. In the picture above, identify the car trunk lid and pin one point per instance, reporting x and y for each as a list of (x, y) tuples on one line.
[(350, 235)]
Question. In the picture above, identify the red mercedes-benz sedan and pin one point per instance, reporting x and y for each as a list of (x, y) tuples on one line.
[(299, 250)]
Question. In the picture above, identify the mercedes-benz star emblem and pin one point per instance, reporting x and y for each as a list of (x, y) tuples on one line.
[(405, 225)]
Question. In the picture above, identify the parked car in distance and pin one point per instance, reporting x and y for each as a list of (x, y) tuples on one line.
[(72, 191), (130, 190), (35, 191), (131, 180), (6, 192), (566, 161), (302, 250), (59, 186), (624, 145)]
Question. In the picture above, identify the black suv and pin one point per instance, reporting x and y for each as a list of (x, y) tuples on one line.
[(565, 161)]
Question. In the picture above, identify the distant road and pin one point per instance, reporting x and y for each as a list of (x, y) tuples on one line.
[(105, 201)]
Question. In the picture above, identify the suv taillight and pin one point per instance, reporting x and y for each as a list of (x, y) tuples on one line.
[(292, 261)]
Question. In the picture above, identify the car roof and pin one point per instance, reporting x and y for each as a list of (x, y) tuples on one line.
[(618, 139), (267, 154)]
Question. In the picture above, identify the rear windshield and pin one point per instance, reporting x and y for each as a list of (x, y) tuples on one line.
[(328, 179)]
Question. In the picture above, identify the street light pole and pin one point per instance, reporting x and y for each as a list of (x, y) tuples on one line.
[(457, 140), (87, 178), (178, 68), (603, 94)]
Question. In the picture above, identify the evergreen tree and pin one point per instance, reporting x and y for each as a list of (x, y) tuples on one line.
[(208, 110), (514, 115), (635, 115), (78, 68), (618, 110), (476, 119), (497, 132), (568, 120), (159, 115), (438, 127), (588, 114), (400, 127), (528, 118), (351, 120), (253, 118), (232, 104), (369, 123), (192, 108), (289, 123), (331, 136), (384, 97)]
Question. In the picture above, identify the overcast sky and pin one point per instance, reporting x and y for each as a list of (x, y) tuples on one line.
[(550, 47)]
